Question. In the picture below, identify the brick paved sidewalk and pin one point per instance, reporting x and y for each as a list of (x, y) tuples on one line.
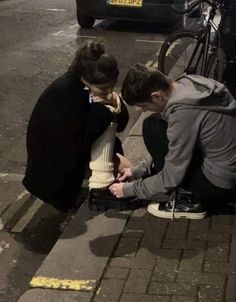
[(170, 261), (178, 261)]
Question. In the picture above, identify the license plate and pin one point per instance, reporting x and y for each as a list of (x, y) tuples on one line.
[(132, 3)]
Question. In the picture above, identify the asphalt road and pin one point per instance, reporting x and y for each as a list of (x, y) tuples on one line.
[(37, 42)]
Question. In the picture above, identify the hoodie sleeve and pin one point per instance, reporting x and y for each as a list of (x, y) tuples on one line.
[(182, 133), (144, 168)]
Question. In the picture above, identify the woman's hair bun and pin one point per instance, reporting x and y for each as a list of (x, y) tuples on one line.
[(94, 64), (93, 50)]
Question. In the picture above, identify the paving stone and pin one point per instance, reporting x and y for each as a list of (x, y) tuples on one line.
[(133, 234), (146, 225), (177, 230), (164, 275), (144, 259), (141, 214), (109, 290), (144, 298), (231, 289), (224, 228), (160, 220), (210, 236), (222, 219), (165, 269), (216, 267), (201, 278), (199, 225), (151, 244), (140, 273), (170, 288), (127, 247), (192, 260), (117, 273), (169, 254), (184, 244), (211, 293), (183, 299), (136, 285), (122, 262), (218, 251), (134, 224), (163, 263)]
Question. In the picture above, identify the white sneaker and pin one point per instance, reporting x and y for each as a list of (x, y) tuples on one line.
[(180, 205)]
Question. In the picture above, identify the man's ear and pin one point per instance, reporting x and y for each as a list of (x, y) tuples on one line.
[(156, 96)]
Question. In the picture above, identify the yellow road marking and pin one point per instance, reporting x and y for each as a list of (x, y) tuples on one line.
[(44, 282)]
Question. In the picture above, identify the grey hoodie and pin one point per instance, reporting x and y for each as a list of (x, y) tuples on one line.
[(201, 111)]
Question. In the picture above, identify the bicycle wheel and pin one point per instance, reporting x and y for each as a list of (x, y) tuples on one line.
[(181, 53)]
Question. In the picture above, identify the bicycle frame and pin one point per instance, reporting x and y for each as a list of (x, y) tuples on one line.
[(203, 38), (196, 52)]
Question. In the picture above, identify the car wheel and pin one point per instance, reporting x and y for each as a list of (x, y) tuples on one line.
[(85, 21)]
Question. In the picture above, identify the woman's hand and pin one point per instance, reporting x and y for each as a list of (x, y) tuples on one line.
[(107, 99), (117, 189), (111, 99)]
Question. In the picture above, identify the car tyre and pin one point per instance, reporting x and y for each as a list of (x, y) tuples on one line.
[(85, 21)]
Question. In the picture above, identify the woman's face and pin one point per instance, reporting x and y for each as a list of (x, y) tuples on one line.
[(100, 90)]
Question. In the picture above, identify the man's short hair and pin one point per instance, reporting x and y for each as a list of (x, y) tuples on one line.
[(141, 81)]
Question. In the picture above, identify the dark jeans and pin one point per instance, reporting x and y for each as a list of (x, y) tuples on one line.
[(156, 141)]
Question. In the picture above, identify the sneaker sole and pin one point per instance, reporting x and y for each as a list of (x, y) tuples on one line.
[(178, 215)]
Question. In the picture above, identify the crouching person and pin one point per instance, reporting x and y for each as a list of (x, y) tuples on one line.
[(68, 118), (191, 139)]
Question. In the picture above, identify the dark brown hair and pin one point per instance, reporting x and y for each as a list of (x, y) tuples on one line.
[(141, 81), (94, 64)]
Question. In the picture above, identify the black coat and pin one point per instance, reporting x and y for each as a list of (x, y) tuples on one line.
[(61, 130)]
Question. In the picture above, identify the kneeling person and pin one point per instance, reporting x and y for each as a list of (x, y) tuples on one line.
[(191, 139)]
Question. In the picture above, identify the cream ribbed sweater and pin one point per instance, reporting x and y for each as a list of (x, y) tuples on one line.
[(101, 163)]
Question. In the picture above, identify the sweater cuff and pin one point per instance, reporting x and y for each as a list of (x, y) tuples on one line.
[(137, 172), (117, 108), (128, 189)]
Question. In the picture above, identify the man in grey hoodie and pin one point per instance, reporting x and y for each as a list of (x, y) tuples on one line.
[(191, 139)]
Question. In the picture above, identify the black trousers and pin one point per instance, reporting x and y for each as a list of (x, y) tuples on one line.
[(156, 141)]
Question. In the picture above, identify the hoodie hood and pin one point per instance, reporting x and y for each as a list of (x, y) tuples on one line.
[(198, 92)]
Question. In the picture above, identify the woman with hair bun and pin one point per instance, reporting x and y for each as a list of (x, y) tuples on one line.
[(76, 115)]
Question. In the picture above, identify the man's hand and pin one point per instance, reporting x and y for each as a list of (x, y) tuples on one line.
[(123, 162), (125, 174), (117, 189)]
